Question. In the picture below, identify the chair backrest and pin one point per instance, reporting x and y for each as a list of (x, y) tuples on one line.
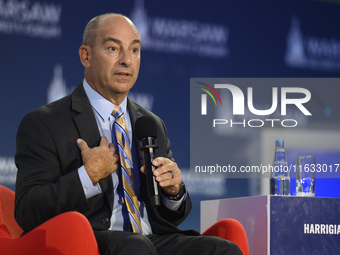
[(8, 226)]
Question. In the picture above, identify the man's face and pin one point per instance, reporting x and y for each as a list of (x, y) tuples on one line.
[(114, 58)]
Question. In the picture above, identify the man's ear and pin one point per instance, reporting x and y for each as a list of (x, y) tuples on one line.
[(85, 55)]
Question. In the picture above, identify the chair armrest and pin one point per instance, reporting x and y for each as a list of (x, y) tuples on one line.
[(67, 233), (232, 230)]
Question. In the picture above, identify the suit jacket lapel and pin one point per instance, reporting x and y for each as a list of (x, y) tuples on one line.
[(135, 113), (85, 120), (89, 132)]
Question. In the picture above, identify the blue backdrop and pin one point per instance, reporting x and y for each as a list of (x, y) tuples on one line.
[(180, 39)]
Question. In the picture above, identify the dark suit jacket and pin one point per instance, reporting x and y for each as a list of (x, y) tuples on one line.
[(48, 157)]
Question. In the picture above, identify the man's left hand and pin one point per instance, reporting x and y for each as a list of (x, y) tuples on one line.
[(167, 175)]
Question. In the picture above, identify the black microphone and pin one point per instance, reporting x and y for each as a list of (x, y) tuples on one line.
[(146, 132)]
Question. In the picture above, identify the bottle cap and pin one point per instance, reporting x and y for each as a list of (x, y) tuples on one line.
[(279, 142)]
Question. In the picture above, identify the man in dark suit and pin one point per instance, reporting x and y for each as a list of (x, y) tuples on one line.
[(67, 156)]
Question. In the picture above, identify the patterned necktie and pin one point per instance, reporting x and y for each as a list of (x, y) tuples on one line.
[(128, 180)]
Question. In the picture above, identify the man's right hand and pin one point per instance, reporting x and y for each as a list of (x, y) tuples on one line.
[(99, 162)]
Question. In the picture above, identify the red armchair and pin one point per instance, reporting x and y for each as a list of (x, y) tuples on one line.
[(67, 233), (232, 230), (71, 233)]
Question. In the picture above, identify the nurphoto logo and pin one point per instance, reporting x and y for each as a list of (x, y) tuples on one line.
[(238, 104)]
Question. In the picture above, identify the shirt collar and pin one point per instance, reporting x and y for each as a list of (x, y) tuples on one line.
[(100, 104)]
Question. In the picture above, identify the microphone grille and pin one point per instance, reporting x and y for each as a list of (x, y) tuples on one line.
[(146, 127)]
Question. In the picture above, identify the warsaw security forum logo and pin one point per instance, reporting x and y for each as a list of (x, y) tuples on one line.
[(38, 19), (311, 52), (180, 36), (57, 88)]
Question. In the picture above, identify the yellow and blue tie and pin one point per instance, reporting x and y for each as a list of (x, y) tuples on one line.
[(128, 179)]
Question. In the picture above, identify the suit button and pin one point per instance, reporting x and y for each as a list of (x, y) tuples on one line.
[(105, 220)]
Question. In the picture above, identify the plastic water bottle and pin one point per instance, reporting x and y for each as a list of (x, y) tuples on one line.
[(280, 181)]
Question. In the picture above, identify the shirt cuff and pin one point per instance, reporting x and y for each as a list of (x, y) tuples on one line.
[(90, 190), (173, 205)]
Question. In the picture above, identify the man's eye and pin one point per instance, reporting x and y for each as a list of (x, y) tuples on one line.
[(135, 50), (112, 48)]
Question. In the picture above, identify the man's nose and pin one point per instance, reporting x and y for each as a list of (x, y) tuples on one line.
[(125, 58)]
